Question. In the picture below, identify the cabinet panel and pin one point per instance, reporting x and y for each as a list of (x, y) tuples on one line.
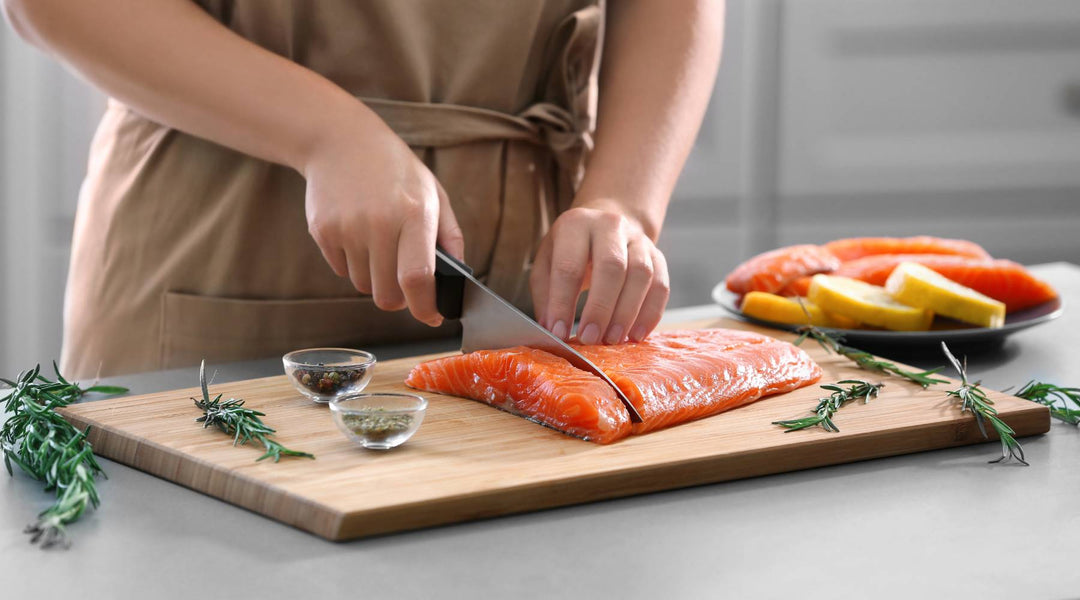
[(904, 95)]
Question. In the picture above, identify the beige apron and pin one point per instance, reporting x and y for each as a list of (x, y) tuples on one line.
[(185, 250)]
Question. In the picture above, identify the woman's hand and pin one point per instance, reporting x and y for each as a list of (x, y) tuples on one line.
[(660, 61), (609, 254), (376, 213)]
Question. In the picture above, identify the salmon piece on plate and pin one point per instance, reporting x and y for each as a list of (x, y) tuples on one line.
[(772, 271), (1003, 280), (670, 378), (853, 248)]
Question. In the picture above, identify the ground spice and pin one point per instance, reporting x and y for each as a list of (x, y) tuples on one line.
[(377, 425)]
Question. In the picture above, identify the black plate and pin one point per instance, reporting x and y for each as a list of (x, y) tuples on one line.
[(958, 334)]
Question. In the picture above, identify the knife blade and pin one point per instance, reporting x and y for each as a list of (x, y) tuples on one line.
[(488, 322)]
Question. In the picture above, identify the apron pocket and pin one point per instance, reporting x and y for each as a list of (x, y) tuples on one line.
[(220, 329)]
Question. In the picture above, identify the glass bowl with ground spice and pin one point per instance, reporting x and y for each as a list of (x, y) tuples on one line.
[(379, 421), (323, 374)]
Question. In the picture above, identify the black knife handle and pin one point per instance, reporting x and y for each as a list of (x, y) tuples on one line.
[(449, 284)]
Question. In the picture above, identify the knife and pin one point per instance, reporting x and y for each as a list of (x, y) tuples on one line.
[(488, 322)]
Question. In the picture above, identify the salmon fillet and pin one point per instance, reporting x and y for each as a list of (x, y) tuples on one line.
[(1002, 280), (853, 248), (670, 378), (771, 271), (531, 383)]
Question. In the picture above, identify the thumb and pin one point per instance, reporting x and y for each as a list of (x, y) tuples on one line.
[(449, 237)]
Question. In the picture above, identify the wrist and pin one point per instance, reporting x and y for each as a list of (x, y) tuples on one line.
[(335, 132)]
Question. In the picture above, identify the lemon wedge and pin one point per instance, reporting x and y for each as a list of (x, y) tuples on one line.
[(868, 304), (917, 285), (780, 309)]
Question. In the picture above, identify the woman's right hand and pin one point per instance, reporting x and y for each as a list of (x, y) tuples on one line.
[(376, 212)]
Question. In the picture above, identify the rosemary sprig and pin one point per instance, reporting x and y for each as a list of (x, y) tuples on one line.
[(828, 406), (865, 360), (1048, 394), (974, 400), (49, 449), (243, 424)]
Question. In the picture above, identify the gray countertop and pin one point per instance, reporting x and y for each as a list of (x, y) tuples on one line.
[(941, 524)]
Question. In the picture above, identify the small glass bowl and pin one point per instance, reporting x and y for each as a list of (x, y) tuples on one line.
[(323, 374), (379, 421)]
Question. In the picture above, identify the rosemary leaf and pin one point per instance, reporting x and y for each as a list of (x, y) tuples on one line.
[(865, 360), (974, 400), (828, 406), (244, 424), (48, 448), (1056, 398)]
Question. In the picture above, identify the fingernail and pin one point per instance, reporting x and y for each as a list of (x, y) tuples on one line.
[(614, 334), (638, 333), (590, 335), (559, 330)]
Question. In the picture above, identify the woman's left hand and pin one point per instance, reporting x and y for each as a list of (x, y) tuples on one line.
[(608, 253)]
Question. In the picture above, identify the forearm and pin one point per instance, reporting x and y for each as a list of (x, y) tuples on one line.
[(173, 63), (659, 65)]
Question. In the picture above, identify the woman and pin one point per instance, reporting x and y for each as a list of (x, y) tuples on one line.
[(272, 175)]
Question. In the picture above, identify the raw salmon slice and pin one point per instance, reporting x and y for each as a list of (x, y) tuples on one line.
[(771, 271), (1002, 280), (671, 377), (531, 383), (853, 248), (678, 376)]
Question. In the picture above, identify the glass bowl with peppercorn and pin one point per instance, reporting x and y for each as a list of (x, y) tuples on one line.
[(323, 374), (379, 421)]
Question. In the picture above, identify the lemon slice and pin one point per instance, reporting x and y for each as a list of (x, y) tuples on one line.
[(780, 309), (867, 304), (917, 285)]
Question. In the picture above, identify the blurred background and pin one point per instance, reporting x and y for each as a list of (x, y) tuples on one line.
[(831, 118)]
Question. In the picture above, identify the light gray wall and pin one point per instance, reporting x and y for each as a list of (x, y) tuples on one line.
[(47, 118), (831, 118)]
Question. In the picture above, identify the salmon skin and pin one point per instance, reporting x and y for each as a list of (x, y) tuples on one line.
[(670, 378), (853, 248), (1002, 280), (772, 271)]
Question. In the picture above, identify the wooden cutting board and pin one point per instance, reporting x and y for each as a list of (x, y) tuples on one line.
[(470, 461)]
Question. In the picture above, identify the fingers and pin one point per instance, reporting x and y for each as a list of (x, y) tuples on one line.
[(569, 257), (360, 270), (382, 244), (416, 265), (608, 250), (639, 276), (449, 232), (333, 254), (652, 308)]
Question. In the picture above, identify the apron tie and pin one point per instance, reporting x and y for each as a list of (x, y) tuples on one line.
[(432, 125)]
